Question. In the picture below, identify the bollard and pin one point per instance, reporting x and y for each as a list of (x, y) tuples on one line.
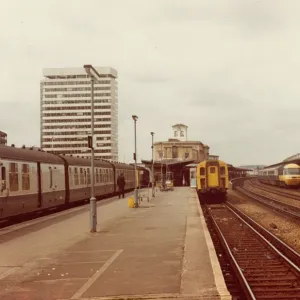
[(130, 202)]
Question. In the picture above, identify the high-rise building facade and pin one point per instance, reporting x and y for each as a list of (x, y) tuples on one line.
[(66, 112)]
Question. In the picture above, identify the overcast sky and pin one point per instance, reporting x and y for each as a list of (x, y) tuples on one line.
[(229, 70)]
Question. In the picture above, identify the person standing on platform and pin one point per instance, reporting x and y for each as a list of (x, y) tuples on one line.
[(121, 185)]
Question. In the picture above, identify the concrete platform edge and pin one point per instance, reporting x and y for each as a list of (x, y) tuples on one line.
[(218, 276)]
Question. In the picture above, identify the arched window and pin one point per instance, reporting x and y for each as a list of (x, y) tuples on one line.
[(175, 133), (181, 133)]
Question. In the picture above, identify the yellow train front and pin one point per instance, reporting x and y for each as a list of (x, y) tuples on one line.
[(212, 180)]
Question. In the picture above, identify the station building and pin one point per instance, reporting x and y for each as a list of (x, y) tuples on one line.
[(180, 157), (3, 138), (179, 148), (175, 154)]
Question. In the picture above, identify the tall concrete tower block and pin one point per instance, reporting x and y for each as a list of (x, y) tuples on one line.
[(180, 132)]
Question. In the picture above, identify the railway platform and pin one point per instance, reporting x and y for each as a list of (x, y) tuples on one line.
[(161, 250)]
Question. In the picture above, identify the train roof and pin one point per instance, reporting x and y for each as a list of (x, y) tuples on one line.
[(121, 165), (281, 165), (26, 154), (212, 160), (81, 161), (291, 166)]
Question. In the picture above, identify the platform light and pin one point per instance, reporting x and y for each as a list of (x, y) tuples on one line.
[(93, 74), (136, 204), (153, 189)]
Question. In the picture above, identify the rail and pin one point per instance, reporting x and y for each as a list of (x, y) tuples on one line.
[(264, 265), (290, 253), (275, 191), (234, 264), (287, 209)]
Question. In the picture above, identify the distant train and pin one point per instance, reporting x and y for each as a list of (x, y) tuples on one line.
[(212, 180), (34, 180), (284, 175)]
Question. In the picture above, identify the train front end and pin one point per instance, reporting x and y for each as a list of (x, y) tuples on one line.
[(212, 180), (291, 175)]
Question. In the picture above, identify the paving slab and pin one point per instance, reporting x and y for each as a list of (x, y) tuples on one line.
[(160, 250)]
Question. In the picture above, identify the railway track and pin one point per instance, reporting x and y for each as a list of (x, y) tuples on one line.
[(230, 279), (287, 209), (266, 268), (275, 191)]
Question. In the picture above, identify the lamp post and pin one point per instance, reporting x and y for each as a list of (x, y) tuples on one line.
[(153, 189), (161, 166), (136, 204), (93, 74)]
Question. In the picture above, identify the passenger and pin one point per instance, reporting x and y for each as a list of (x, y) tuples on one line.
[(121, 185)]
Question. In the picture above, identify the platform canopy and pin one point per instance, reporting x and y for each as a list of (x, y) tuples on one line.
[(294, 159), (168, 162), (232, 168)]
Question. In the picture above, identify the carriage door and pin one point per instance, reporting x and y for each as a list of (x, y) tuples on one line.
[(52, 183), (2, 180), (193, 177), (213, 176)]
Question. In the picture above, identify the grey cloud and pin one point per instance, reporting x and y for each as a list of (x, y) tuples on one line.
[(257, 15), (217, 98), (212, 69), (244, 15), (145, 78), (21, 122)]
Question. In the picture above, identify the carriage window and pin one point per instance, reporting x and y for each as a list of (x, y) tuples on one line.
[(13, 177), (100, 175), (202, 171), (212, 170), (97, 175), (25, 177), (88, 176), (222, 170), (81, 176), (51, 177), (84, 173), (70, 176), (76, 177)]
